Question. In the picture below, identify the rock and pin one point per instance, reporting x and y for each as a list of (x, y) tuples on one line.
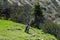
[(57, 20), (33, 35)]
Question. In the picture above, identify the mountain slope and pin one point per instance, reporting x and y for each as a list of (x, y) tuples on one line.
[(52, 8), (25, 6), (15, 31)]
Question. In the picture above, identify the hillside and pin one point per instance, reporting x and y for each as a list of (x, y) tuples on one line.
[(25, 8), (14, 31)]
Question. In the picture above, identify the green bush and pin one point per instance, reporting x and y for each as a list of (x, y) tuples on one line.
[(51, 28)]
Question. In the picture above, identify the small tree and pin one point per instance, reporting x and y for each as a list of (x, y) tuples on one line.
[(38, 16)]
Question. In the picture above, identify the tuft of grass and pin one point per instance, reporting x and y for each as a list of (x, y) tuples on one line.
[(14, 31)]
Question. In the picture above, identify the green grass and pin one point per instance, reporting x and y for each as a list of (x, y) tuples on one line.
[(14, 34)]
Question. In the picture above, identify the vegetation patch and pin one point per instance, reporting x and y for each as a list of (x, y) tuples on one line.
[(51, 28), (35, 34)]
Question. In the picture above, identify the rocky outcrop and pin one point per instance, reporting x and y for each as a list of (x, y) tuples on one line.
[(52, 8), (51, 11)]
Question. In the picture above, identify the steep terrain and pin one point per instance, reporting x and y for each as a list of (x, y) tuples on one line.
[(25, 6), (52, 8), (14, 31)]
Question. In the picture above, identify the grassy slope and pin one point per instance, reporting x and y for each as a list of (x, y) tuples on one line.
[(14, 34)]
